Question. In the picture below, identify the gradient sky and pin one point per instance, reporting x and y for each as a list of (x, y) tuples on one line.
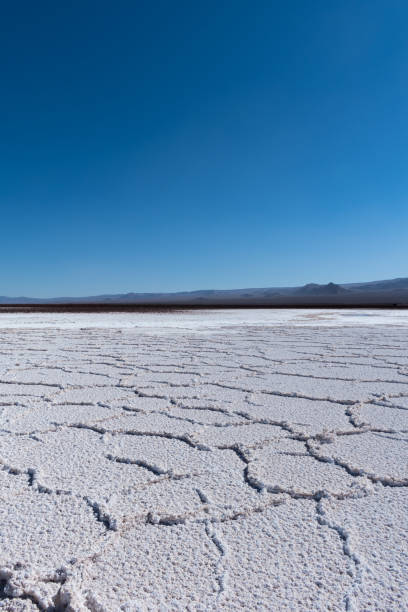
[(173, 145)]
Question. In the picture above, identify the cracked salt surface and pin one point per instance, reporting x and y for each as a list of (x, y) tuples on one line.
[(233, 460)]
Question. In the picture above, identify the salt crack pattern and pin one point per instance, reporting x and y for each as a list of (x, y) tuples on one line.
[(258, 469)]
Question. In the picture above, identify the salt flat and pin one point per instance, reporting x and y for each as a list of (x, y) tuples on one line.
[(214, 460)]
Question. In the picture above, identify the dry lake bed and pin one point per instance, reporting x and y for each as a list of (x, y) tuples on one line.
[(207, 460)]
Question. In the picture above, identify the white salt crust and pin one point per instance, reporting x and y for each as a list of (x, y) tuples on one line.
[(204, 464)]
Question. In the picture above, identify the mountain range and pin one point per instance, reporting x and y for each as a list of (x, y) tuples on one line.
[(392, 292)]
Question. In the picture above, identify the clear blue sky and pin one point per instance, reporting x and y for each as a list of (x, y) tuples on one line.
[(174, 145)]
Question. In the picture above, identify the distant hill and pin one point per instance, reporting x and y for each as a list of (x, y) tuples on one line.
[(329, 289), (395, 284), (382, 293)]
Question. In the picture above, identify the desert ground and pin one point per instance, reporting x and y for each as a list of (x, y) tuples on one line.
[(201, 461)]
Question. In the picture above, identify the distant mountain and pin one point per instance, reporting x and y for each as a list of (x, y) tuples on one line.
[(384, 292), (395, 284), (329, 289)]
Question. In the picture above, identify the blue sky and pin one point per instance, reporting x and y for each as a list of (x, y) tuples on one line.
[(159, 146)]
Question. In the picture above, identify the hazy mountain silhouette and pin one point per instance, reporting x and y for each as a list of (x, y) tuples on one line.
[(384, 292), (314, 289)]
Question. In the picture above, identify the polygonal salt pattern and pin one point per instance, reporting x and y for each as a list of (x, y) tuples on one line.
[(249, 467), (283, 560), (286, 467), (379, 456)]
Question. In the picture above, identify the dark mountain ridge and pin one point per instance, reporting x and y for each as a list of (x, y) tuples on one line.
[(314, 289), (384, 292)]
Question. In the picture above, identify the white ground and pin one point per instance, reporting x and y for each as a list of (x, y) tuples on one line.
[(245, 460)]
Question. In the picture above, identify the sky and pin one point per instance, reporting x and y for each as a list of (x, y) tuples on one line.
[(178, 145)]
